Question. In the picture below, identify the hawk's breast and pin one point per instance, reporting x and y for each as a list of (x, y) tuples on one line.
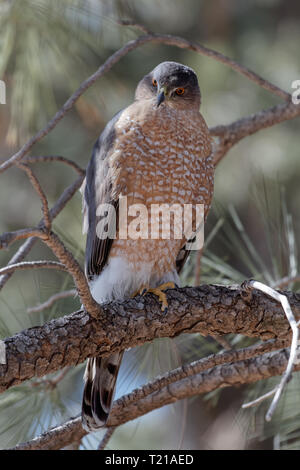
[(161, 156)]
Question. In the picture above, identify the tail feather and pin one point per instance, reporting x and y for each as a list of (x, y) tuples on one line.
[(100, 382)]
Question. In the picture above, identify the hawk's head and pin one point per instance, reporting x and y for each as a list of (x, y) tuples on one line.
[(172, 84)]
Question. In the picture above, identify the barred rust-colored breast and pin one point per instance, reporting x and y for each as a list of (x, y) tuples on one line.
[(161, 155)]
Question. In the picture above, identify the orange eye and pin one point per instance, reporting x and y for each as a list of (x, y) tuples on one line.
[(179, 91), (154, 82)]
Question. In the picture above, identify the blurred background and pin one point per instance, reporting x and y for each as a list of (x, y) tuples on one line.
[(47, 48)]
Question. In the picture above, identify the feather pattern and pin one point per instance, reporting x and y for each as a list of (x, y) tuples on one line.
[(100, 381)]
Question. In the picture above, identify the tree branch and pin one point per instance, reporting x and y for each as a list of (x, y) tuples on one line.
[(232, 133), (237, 373), (33, 265), (55, 158), (203, 364), (209, 310), (127, 408), (104, 441), (285, 281), (49, 302), (8, 238), (39, 190)]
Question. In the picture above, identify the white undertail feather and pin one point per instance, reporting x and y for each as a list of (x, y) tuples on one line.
[(120, 279)]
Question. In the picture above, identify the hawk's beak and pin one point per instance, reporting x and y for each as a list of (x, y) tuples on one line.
[(161, 95)]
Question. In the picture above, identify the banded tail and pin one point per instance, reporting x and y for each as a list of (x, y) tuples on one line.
[(100, 382)]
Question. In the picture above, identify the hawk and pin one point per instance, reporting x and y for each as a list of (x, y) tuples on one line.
[(156, 151)]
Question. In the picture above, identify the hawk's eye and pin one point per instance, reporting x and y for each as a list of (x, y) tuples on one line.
[(154, 82), (179, 91)]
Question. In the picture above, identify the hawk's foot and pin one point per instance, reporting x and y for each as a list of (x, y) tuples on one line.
[(158, 291)]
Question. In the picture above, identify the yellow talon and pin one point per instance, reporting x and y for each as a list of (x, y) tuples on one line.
[(162, 297), (141, 291), (158, 291)]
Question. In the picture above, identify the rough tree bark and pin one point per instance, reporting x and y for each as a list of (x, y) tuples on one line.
[(209, 310)]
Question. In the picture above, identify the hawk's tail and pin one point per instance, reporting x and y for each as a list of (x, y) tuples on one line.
[(100, 381)]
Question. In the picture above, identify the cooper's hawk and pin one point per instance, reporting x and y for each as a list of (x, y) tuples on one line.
[(156, 151)]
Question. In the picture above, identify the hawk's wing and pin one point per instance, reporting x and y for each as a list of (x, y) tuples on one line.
[(97, 189), (182, 256)]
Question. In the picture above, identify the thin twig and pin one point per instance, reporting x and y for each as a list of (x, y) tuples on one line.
[(60, 295), (231, 134), (54, 158), (277, 391), (8, 238), (56, 438), (258, 400), (104, 441), (33, 265), (18, 257), (51, 383), (135, 25), (207, 310), (65, 197), (38, 189), (222, 342), (59, 377), (73, 445), (204, 364), (285, 281)]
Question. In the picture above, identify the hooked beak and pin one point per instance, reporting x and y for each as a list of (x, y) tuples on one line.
[(161, 95)]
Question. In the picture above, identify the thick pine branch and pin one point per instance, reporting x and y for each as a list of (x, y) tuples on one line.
[(209, 310), (127, 408)]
